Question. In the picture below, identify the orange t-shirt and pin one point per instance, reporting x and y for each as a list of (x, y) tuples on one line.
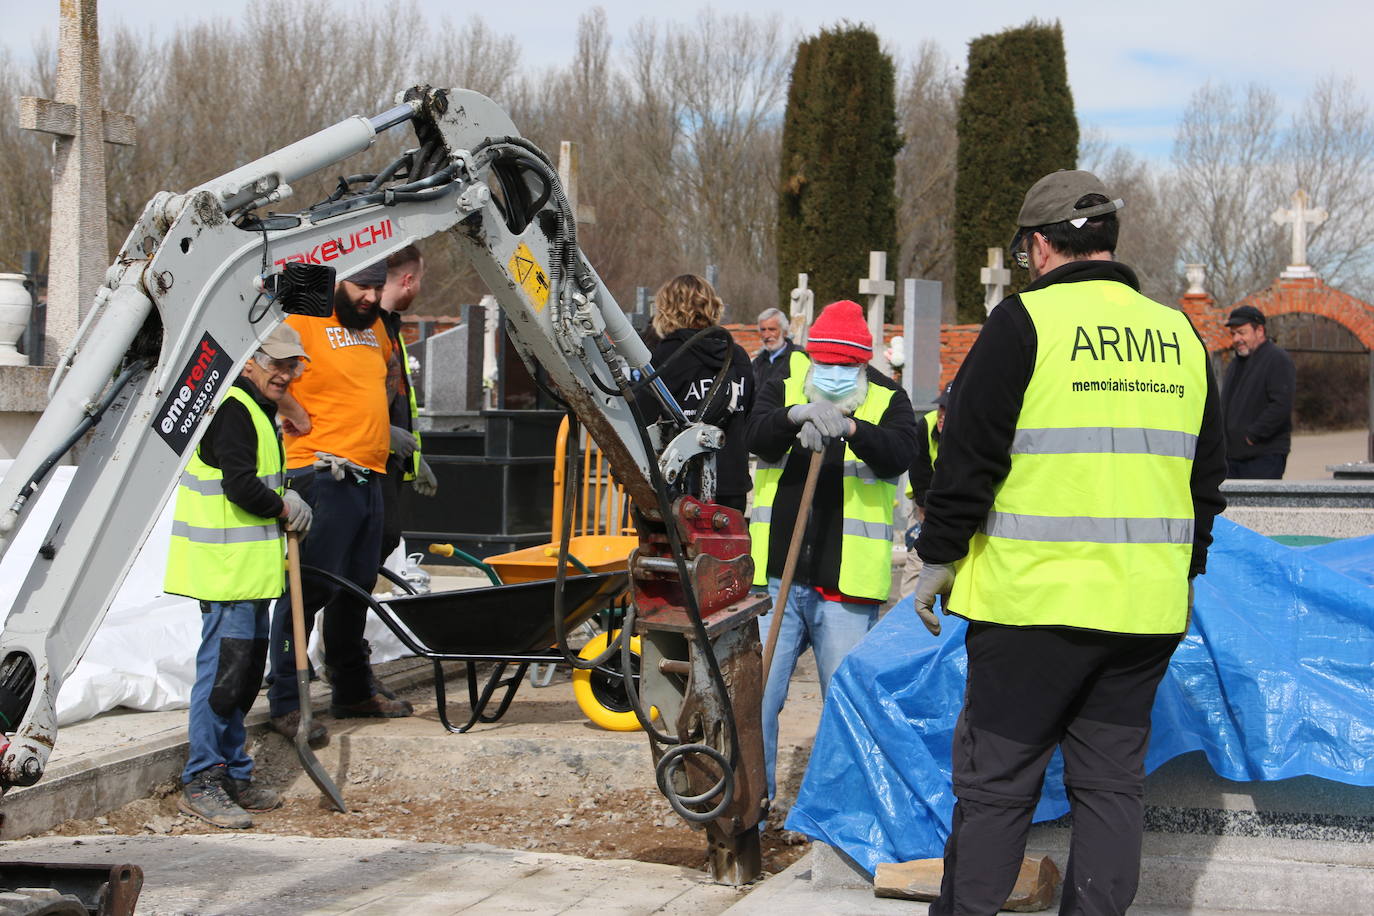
[(343, 388)]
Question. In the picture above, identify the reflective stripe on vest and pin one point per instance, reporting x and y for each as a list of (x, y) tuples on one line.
[(1093, 526), (219, 551), (414, 469), (932, 445), (867, 530)]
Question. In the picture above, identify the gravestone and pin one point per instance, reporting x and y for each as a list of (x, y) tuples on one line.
[(453, 369), (78, 253), (921, 321), (1299, 216), (877, 288)]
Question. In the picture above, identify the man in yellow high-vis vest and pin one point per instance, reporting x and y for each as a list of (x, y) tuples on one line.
[(863, 424), (918, 479), (227, 551), (1079, 474)]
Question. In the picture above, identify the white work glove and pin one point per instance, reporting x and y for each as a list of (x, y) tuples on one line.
[(403, 443), (819, 420), (299, 515), (935, 579), (338, 466), (425, 483)]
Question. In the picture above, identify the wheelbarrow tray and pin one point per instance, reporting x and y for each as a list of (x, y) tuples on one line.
[(599, 552), (502, 620)]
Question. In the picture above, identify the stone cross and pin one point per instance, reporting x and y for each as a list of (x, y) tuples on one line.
[(802, 311), (1299, 216), (78, 252), (569, 173), (994, 278), (877, 288)]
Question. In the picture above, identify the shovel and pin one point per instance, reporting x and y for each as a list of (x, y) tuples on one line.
[(308, 760), (789, 566)]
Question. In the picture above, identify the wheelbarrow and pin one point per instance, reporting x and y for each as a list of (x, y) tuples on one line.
[(600, 692), (509, 625)]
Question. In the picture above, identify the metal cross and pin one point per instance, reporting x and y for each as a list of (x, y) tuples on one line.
[(994, 278), (78, 253)]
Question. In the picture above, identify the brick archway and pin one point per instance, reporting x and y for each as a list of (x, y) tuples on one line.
[(1304, 295)]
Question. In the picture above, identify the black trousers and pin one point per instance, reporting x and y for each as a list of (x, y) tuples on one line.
[(393, 506), (1031, 689), (1260, 467), (344, 539)]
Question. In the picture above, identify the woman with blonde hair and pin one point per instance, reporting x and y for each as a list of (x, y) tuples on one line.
[(691, 363)]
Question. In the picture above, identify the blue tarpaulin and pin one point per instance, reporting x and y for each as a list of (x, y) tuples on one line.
[(1275, 679)]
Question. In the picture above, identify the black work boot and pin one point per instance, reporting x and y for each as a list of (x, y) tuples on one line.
[(205, 797), (374, 707), (289, 723), (249, 796)]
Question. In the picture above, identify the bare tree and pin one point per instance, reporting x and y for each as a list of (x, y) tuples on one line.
[(927, 114), (1150, 235), (1329, 152)]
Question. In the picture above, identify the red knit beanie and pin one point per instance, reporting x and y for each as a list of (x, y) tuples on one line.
[(840, 335)]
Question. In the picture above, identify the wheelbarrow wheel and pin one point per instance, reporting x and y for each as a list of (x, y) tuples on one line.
[(600, 692)]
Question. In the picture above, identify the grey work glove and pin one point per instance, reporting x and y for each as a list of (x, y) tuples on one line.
[(819, 420), (403, 443), (299, 515), (935, 579), (425, 483)]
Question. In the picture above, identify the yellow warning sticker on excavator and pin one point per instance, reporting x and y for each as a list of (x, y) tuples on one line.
[(531, 276)]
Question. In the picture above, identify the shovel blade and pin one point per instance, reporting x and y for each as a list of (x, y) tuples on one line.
[(313, 768)]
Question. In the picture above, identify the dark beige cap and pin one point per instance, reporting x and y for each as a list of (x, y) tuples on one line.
[(283, 343), (1052, 199)]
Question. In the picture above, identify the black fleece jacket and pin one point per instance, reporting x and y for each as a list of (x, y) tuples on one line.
[(1257, 399), (689, 377), (231, 444), (975, 445), (886, 448)]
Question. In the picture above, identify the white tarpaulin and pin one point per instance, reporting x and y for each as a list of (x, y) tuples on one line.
[(143, 656)]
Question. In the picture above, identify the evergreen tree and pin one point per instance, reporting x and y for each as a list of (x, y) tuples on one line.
[(839, 144), (1016, 124)]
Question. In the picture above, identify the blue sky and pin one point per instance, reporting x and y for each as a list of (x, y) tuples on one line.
[(1131, 70)]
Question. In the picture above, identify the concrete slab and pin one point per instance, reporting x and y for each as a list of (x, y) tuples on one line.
[(287, 876)]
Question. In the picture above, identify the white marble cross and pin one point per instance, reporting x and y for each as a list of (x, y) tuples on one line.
[(78, 252), (802, 311), (994, 278), (1300, 217), (877, 288), (569, 173)]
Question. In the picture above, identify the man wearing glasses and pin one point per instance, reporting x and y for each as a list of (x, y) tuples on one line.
[(1071, 507), (226, 551)]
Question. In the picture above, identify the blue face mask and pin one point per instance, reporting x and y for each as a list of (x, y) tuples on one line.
[(835, 381)]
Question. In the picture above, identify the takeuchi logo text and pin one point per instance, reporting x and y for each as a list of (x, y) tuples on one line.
[(336, 248)]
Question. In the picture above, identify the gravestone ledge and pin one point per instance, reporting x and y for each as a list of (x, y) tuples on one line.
[(24, 389)]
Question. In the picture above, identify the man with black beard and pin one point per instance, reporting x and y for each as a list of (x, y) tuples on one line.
[(337, 463)]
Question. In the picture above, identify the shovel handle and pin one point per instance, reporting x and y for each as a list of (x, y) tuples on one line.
[(293, 572), (789, 566)]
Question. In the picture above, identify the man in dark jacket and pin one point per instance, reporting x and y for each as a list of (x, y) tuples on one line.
[(777, 346), (1257, 399), (862, 423)]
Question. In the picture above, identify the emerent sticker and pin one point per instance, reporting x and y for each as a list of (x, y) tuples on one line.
[(194, 389)]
